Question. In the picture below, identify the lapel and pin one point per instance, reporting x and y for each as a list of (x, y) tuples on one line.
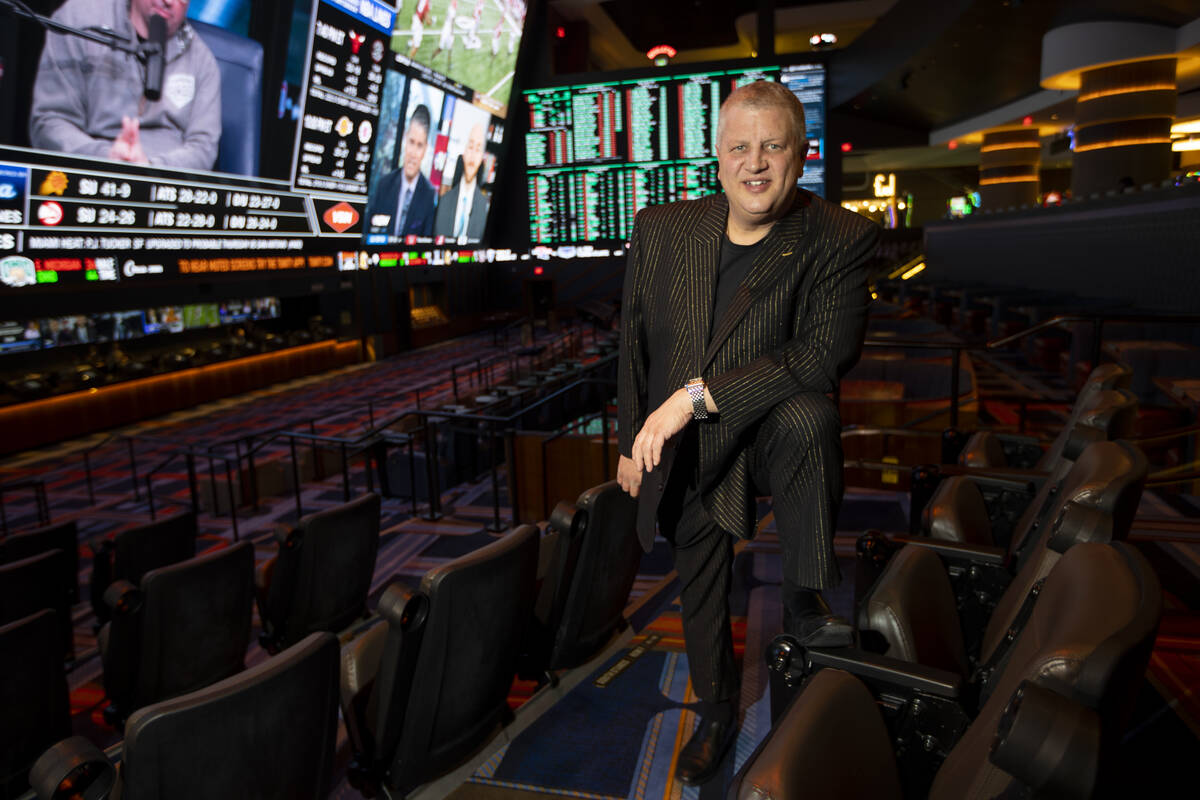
[(770, 264), (701, 260)]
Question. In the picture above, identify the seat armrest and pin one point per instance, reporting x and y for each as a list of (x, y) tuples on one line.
[(958, 552), (1018, 439), (122, 597), (1026, 481), (876, 670), (77, 761)]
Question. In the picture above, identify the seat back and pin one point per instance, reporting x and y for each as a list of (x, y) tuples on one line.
[(62, 536), (190, 630), (1111, 413), (478, 607), (269, 732), (166, 540), (35, 583), (1107, 477), (596, 562), (911, 607), (240, 61), (830, 743), (34, 711), (1089, 639), (324, 570)]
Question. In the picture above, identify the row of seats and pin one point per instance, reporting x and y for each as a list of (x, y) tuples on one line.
[(985, 665), (421, 689)]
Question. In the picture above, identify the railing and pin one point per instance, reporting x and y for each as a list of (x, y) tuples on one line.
[(189, 454), (39, 493)]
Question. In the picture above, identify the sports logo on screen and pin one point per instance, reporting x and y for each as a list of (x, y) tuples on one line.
[(341, 217), (17, 271), (50, 213)]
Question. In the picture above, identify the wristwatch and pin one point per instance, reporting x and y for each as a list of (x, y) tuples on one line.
[(695, 390)]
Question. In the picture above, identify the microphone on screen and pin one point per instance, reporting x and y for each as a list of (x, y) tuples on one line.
[(156, 57)]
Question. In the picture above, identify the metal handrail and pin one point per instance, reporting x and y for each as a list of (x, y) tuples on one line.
[(1097, 319), (39, 495)]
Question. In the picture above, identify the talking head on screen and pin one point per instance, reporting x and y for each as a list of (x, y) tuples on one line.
[(402, 203), (462, 211), (90, 99)]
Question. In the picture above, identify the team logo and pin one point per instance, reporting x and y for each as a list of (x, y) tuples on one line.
[(365, 129), (341, 217), (377, 50), (17, 271), (50, 213), (180, 89), (345, 127), (7, 191), (356, 41), (55, 183)]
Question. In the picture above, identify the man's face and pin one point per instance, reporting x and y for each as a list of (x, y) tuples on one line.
[(173, 11), (473, 154), (759, 160), (416, 139)]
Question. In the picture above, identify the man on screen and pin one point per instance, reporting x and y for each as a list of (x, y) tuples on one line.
[(463, 210), (89, 98), (405, 196)]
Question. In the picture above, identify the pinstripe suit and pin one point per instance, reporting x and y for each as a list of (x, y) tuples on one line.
[(795, 325)]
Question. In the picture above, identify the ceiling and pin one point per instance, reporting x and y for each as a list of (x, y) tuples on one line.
[(910, 65)]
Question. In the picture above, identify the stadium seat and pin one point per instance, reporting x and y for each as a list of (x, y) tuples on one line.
[(185, 627), (592, 556), (1096, 499), (321, 576), (240, 61), (428, 688), (33, 584), (268, 733), (62, 535), (991, 449), (133, 552), (1049, 724), (34, 711)]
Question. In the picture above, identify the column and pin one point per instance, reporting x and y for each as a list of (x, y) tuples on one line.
[(1008, 167)]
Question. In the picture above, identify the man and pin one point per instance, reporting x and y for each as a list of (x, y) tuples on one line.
[(88, 98), (402, 204), (462, 212), (741, 311)]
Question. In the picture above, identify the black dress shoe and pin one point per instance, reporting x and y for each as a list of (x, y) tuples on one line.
[(808, 617), (702, 755)]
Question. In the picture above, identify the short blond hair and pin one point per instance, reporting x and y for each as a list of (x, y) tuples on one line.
[(766, 94)]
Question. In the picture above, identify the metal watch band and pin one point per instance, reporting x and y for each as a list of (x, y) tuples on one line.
[(695, 390)]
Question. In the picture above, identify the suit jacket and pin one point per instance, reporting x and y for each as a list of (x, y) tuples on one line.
[(385, 199), (796, 324), (448, 210)]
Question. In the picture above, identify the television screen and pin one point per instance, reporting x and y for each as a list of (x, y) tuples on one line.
[(125, 172), (597, 153)]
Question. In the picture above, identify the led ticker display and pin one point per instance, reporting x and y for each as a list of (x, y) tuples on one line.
[(598, 153)]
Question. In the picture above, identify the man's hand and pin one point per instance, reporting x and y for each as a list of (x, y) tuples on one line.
[(666, 421), (629, 476), (128, 144)]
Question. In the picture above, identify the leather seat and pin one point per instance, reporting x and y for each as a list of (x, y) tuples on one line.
[(268, 733), (187, 626), (1095, 501), (62, 536), (240, 62), (991, 449), (135, 551), (1050, 721), (35, 583), (34, 710), (426, 689), (320, 578), (592, 555)]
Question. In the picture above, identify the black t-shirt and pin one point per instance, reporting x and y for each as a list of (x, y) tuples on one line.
[(731, 273)]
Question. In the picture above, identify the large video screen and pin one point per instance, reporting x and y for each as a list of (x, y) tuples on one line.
[(129, 166), (597, 153)]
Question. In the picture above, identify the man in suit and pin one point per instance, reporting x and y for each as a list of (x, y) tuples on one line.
[(741, 312), (403, 202), (462, 211)]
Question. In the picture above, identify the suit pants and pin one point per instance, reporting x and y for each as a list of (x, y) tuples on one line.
[(796, 457)]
